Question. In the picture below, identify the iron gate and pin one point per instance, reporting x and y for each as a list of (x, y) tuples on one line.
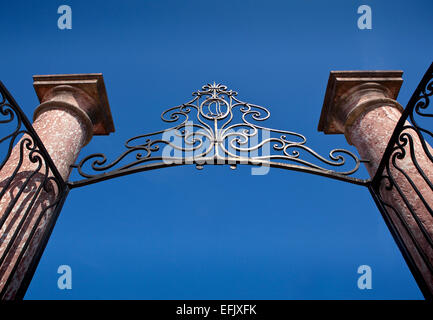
[(216, 137)]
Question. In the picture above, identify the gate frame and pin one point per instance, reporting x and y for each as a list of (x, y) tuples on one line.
[(64, 187)]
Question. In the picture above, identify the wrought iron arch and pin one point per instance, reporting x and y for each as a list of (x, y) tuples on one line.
[(215, 127)]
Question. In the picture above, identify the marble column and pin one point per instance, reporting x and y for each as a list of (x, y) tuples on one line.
[(73, 108), (362, 105)]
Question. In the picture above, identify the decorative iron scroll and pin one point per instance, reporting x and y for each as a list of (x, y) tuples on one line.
[(20, 191), (215, 127), (407, 144)]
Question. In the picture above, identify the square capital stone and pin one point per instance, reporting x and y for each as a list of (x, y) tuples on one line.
[(340, 84), (92, 84)]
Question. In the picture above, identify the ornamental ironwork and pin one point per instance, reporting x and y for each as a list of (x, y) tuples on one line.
[(21, 191), (215, 127), (407, 145)]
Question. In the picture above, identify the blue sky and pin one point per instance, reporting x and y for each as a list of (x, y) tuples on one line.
[(180, 233)]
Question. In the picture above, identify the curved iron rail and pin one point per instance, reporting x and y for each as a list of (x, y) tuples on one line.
[(400, 147), (215, 127), (24, 187)]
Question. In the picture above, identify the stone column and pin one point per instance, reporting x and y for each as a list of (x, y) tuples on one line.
[(73, 108), (362, 106)]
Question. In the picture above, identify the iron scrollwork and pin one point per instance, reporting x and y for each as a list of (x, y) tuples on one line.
[(400, 162), (30, 172), (215, 127)]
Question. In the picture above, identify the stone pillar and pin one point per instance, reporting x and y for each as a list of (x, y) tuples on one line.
[(73, 108), (362, 106)]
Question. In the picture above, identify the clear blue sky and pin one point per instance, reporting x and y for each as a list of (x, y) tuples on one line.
[(180, 233)]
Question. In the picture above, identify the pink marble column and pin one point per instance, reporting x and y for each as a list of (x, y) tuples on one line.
[(362, 106), (73, 108)]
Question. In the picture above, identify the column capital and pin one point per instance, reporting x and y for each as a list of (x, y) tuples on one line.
[(349, 94), (82, 94)]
